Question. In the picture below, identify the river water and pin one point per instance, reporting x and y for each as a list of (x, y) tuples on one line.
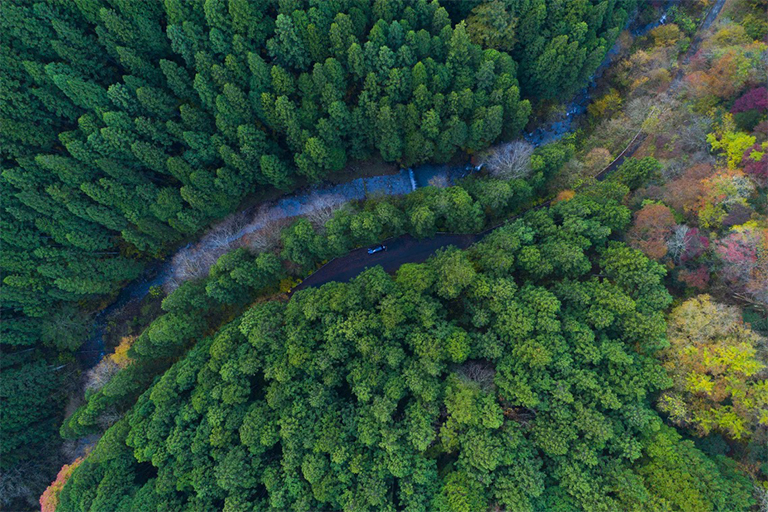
[(214, 243)]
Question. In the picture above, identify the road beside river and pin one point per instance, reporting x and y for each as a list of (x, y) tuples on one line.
[(401, 250), (407, 249)]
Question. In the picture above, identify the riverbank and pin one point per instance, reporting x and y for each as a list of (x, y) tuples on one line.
[(194, 259), (403, 249)]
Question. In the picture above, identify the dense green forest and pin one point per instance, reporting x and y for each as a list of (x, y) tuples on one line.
[(241, 276), (508, 373), (129, 125), (603, 348)]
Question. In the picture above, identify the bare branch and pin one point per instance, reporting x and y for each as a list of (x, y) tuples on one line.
[(321, 207), (509, 161), (481, 372), (678, 242), (100, 374)]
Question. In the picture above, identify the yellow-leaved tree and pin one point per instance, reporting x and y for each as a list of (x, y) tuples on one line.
[(717, 364)]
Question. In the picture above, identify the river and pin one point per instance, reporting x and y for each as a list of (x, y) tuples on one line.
[(214, 243)]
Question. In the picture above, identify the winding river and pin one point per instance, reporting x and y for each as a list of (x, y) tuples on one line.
[(303, 202)]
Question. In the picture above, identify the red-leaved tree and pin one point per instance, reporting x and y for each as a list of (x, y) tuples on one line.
[(744, 257), (50, 497), (755, 99), (696, 278), (755, 163)]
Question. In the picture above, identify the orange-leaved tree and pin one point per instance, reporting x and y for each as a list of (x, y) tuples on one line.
[(652, 227), (50, 497)]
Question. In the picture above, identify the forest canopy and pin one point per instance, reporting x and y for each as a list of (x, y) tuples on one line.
[(533, 370), (517, 373), (128, 126)]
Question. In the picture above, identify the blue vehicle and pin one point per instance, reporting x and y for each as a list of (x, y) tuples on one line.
[(378, 248)]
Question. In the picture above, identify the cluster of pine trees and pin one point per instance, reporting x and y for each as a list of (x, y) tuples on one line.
[(126, 126), (516, 374)]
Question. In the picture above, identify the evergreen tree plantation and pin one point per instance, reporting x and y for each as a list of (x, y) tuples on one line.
[(597, 341)]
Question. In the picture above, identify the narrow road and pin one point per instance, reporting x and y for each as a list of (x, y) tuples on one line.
[(678, 80), (407, 249), (400, 250)]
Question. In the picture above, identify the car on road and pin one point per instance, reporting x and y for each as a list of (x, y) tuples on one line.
[(377, 248)]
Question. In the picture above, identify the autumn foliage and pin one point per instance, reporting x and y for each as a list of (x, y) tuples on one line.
[(120, 355), (597, 159), (743, 254), (722, 193), (652, 227), (683, 193), (697, 278), (98, 376), (755, 163), (731, 142), (755, 99), (713, 361), (725, 65), (666, 35), (565, 195), (50, 497)]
